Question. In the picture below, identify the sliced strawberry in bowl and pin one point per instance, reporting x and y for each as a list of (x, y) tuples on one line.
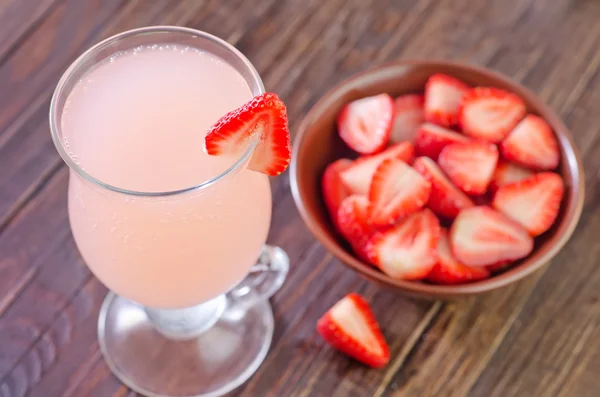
[(532, 144), (408, 117), (350, 327), (334, 190), (469, 165), (263, 118), (358, 176), (445, 200), (397, 190), (506, 173), (365, 124), (431, 139), (499, 267), (481, 236), (443, 97), (533, 202), (408, 250), (448, 270), (352, 221), (490, 114)]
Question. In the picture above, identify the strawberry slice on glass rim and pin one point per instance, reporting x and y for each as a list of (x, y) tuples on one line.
[(263, 118)]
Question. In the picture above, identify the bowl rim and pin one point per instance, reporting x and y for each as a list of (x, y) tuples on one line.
[(495, 282)]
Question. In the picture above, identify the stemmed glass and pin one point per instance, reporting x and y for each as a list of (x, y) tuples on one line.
[(181, 319)]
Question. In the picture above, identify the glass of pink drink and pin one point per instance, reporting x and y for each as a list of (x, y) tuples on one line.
[(178, 236)]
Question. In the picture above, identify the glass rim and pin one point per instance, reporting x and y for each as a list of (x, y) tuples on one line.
[(59, 91)]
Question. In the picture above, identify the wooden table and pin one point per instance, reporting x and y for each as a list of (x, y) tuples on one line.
[(538, 338)]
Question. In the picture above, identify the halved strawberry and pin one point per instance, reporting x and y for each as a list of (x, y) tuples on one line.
[(446, 200), (352, 220), (481, 236), (350, 327), (408, 250), (334, 190), (533, 202), (408, 116), (396, 191), (532, 144), (443, 96), (506, 173), (448, 270), (365, 124), (490, 113), (431, 139), (358, 176), (263, 118), (469, 165)]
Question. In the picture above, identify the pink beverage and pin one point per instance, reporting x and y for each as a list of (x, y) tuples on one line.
[(137, 121)]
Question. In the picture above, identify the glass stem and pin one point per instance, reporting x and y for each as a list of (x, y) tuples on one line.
[(187, 323)]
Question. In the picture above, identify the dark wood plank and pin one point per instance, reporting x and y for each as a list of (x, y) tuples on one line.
[(17, 18)]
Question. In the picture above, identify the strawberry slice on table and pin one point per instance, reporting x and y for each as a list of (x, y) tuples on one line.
[(264, 118), (408, 117), (431, 139), (448, 270), (365, 124), (533, 203), (408, 250), (490, 113), (446, 200), (396, 191), (350, 327), (443, 96), (358, 176), (352, 221), (469, 165), (481, 236), (532, 144), (506, 173)]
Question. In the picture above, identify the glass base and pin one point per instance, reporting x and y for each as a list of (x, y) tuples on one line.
[(212, 363)]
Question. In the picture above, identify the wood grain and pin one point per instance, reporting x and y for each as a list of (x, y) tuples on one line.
[(538, 338)]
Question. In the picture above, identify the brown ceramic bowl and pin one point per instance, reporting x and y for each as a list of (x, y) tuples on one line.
[(317, 144)]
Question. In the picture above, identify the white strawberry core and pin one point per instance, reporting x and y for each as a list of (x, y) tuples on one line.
[(348, 317), (445, 97)]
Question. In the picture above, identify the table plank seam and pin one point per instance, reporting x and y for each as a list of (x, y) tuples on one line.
[(27, 33), (43, 331), (32, 191)]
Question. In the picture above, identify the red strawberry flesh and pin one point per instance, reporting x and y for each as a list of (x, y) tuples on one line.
[(352, 221), (481, 236), (533, 202), (470, 166), (408, 117), (334, 190), (443, 96), (431, 139), (408, 250), (490, 113), (445, 200), (350, 327), (448, 270), (358, 176), (263, 118), (396, 191), (532, 144), (365, 124), (506, 173)]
